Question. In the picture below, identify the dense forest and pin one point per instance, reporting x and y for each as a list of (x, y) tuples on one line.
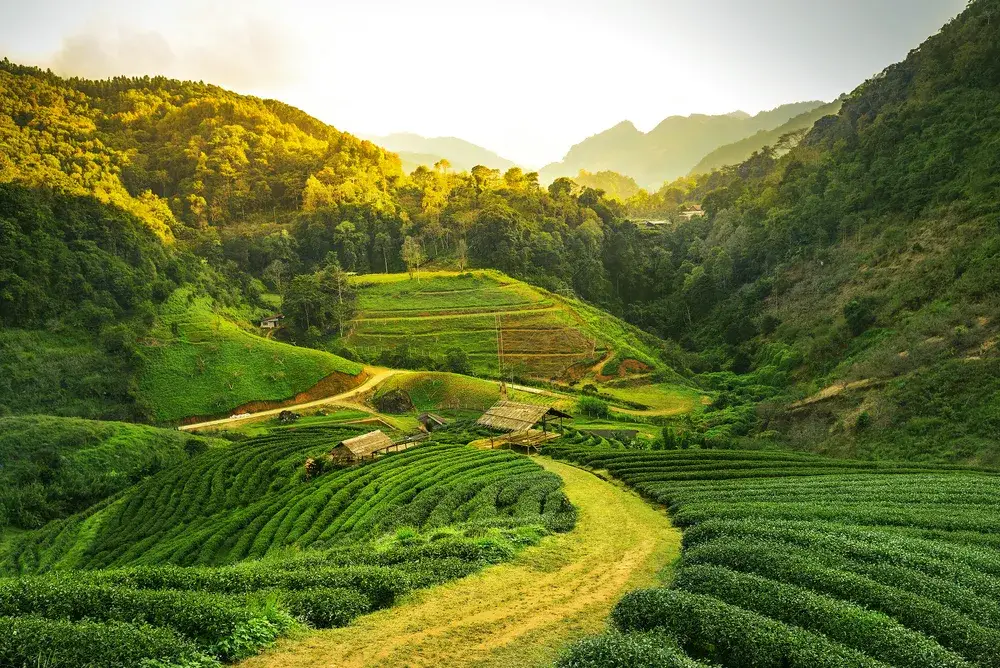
[(833, 260)]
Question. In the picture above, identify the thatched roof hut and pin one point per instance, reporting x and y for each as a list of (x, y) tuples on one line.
[(431, 421), (362, 446), (513, 416)]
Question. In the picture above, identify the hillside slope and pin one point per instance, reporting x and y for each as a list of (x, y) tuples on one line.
[(450, 319), (670, 149), (52, 467), (848, 289), (737, 152)]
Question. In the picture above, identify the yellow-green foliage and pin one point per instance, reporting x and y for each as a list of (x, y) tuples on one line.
[(199, 363), (543, 334)]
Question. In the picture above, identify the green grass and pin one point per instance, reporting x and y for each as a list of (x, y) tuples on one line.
[(52, 467), (663, 398), (198, 363), (544, 335), (800, 560)]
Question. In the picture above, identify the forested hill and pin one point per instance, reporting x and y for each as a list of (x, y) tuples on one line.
[(865, 262), (180, 152), (788, 133), (670, 149)]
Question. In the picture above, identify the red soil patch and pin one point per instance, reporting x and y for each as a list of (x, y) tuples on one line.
[(628, 366)]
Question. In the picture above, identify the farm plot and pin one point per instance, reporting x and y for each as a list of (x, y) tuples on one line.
[(214, 559), (798, 560), (544, 336)]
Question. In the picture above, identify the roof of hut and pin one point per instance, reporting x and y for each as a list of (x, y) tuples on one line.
[(366, 444), (514, 416)]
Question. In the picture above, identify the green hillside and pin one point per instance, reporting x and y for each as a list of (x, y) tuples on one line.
[(54, 467), (424, 516), (798, 560), (738, 152), (449, 319), (197, 362)]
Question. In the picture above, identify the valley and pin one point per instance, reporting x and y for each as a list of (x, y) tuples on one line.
[(275, 395)]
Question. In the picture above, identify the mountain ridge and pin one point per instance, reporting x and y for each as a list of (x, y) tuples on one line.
[(670, 149)]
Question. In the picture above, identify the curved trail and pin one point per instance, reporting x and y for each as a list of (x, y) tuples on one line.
[(517, 614), (378, 375)]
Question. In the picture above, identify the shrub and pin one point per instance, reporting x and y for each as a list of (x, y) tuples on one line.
[(326, 608), (633, 650), (860, 314), (594, 407)]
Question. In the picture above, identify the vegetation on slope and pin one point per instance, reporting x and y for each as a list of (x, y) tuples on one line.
[(887, 564), (197, 362), (447, 320), (53, 467), (215, 557), (783, 137)]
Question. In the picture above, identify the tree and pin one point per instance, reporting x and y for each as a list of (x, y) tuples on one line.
[(462, 254), (413, 255), (275, 274)]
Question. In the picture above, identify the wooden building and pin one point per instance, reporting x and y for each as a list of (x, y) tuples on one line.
[(431, 421), (367, 445), (512, 416), (272, 322)]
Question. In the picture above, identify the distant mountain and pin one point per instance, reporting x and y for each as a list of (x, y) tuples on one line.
[(735, 153), (670, 149), (414, 150)]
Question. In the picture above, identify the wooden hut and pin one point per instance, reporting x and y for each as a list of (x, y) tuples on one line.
[(357, 448), (512, 416), (431, 421)]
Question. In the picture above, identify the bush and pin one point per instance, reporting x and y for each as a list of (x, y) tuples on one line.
[(633, 650), (594, 407), (326, 608), (860, 314)]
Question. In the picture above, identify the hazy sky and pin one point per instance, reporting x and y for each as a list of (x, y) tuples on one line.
[(526, 79)]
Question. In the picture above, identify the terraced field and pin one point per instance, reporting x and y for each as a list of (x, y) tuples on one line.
[(198, 363), (544, 336), (215, 558), (795, 560)]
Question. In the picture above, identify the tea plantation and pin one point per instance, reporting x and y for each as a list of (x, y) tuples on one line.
[(794, 560), (215, 557), (412, 322)]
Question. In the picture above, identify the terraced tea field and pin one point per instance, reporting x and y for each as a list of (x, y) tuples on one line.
[(795, 560), (216, 557), (544, 336)]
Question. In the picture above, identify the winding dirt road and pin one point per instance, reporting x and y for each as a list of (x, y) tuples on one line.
[(517, 614), (376, 376)]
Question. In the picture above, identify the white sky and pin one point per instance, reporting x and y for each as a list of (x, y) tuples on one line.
[(525, 79)]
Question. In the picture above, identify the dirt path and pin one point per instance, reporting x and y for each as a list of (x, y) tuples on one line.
[(376, 377), (519, 614)]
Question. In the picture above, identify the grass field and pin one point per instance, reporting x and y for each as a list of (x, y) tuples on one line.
[(198, 363), (545, 336), (798, 560)]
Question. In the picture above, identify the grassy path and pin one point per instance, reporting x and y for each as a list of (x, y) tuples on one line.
[(519, 614)]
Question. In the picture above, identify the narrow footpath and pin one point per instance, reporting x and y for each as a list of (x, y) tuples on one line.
[(520, 614)]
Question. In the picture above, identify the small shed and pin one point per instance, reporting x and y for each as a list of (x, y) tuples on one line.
[(692, 211), (272, 322), (431, 421), (357, 448), (512, 416)]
